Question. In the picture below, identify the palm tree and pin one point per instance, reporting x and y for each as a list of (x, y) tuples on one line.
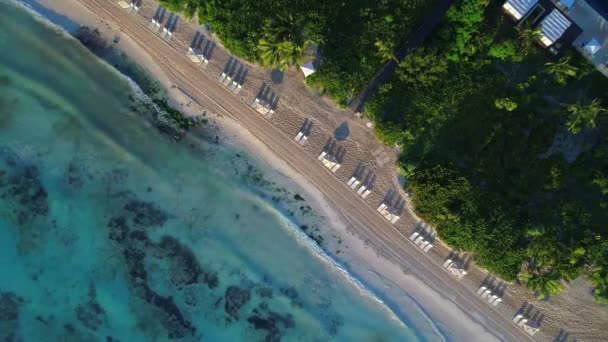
[(545, 285), (528, 37), (386, 50), (581, 116), (561, 70), (283, 43)]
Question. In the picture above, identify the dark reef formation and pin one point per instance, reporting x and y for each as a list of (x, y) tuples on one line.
[(90, 313)]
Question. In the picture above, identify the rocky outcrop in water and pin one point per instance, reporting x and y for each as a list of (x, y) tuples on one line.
[(273, 323), (235, 297), (90, 313)]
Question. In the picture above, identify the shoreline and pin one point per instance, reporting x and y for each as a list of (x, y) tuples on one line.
[(233, 134), (404, 288)]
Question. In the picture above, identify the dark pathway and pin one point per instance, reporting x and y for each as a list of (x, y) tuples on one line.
[(430, 23)]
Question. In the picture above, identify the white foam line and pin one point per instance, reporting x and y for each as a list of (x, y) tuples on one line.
[(328, 259)]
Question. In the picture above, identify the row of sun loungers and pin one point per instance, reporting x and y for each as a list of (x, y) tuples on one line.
[(261, 106), (421, 242), (530, 327), (456, 270), (197, 57), (329, 161), (388, 213), (154, 25), (132, 7), (486, 294), (233, 85), (363, 191)]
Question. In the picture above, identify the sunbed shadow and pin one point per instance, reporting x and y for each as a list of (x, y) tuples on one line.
[(228, 64), (238, 72), (173, 25), (196, 40), (209, 48), (161, 15), (243, 76), (562, 336)]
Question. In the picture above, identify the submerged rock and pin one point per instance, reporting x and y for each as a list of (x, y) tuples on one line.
[(275, 324), (91, 314), (146, 213), (235, 298), (9, 306)]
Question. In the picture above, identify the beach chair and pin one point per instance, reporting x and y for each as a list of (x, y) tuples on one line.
[(427, 248), (492, 298), (164, 33), (335, 168), (517, 318), (497, 301), (418, 240), (134, 8), (351, 180), (485, 294), (522, 322), (423, 244), (169, 35), (462, 274), (447, 263), (299, 136), (481, 290), (124, 4), (205, 62), (381, 207), (322, 155), (227, 80), (223, 77), (366, 193), (152, 24), (303, 140), (361, 189), (354, 185), (233, 85), (395, 219), (237, 89), (414, 235)]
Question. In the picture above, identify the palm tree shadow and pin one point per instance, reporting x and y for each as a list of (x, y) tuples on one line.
[(277, 76)]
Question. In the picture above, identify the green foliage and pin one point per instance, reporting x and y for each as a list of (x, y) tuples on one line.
[(475, 122), (345, 34), (528, 40), (422, 67), (466, 20), (506, 103), (386, 50), (504, 51), (561, 71), (581, 116), (545, 286), (283, 43)]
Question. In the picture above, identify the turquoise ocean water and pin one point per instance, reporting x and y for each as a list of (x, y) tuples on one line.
[(110, 231)]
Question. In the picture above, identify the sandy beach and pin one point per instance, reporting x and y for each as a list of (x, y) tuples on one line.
[(377, 251)]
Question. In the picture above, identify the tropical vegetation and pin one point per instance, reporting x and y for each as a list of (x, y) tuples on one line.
[(504, 147), (353, 38)]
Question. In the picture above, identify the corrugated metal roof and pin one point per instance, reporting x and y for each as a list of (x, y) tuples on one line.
[(553, 26), (520, 6)]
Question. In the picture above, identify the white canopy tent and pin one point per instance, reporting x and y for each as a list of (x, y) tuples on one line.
[(518, 8), (553, 27), (592, 46), (308, 69)]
